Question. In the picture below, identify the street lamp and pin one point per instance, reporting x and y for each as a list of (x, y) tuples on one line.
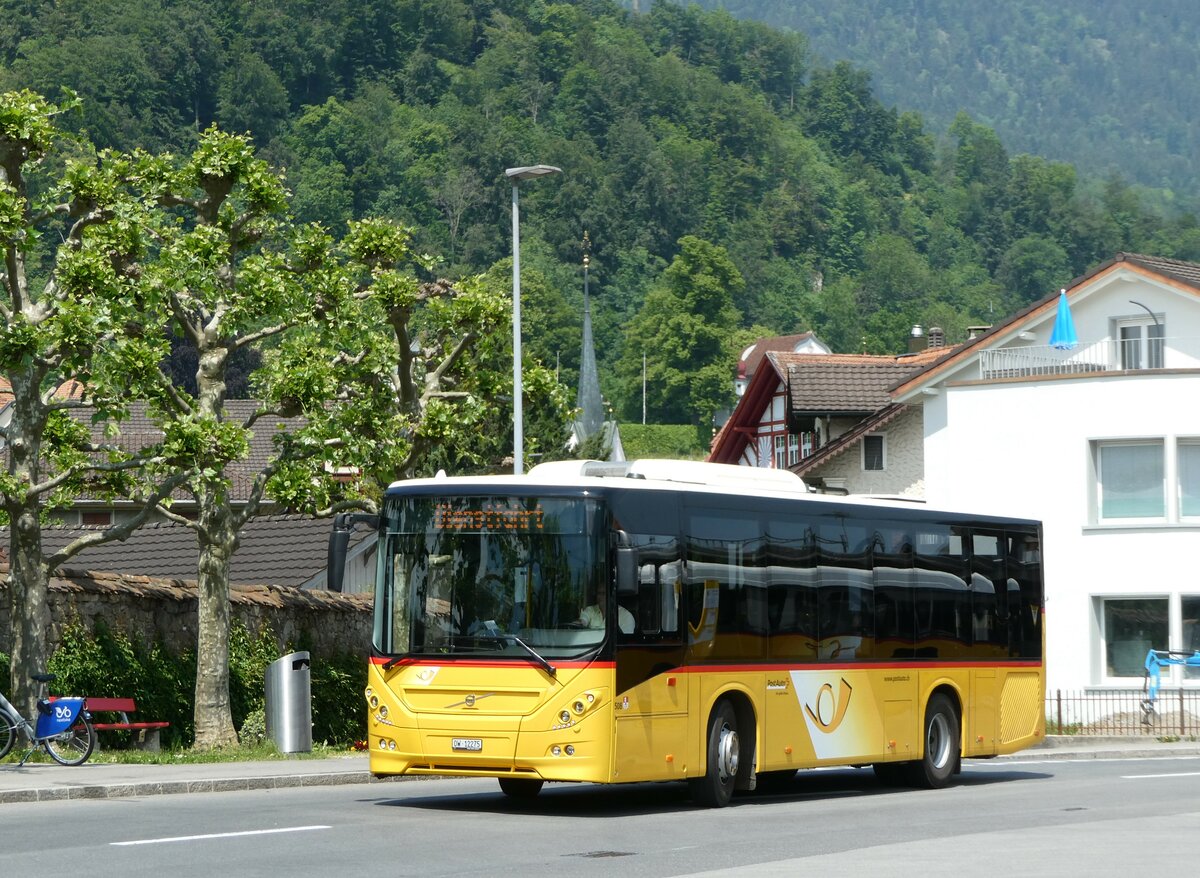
[(517, 175)]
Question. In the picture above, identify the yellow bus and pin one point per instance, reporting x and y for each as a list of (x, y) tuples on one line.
[(719, 625)]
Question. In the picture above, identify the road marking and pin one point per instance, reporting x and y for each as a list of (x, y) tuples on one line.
[(1152, 776), (218, 835)]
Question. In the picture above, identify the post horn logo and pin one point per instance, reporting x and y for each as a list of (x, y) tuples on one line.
[(830, 709)]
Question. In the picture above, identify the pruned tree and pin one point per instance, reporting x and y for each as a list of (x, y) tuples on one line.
[(382, 367), (70, 315)]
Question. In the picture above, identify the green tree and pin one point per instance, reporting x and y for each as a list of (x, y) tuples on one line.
[(1034, 267), (77, 317), (685, 329)]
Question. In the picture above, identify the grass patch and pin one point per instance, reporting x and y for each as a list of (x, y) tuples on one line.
[(262, 752)]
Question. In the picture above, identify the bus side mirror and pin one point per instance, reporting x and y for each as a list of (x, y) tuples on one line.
[(335, 564), (627, 572), (339, 541)]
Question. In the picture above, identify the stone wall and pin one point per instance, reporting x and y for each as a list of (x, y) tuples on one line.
[(165, 610)]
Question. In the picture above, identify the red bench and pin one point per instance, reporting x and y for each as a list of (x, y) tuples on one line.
[(146, 736)]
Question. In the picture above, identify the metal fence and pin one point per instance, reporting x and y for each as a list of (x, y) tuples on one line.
[(1099, 356), (1176, 712)]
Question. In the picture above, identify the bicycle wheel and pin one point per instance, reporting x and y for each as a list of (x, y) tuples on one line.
[(8, 732), (73, 746)]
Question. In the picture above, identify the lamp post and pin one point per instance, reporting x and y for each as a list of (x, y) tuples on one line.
[(517, 175)]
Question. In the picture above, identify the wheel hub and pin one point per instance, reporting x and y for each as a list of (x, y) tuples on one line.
[(727, 754)]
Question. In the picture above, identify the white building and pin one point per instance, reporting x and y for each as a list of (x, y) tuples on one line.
[(1101, 442)]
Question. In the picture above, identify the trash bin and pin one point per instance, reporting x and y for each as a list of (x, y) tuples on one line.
[(289, 703)]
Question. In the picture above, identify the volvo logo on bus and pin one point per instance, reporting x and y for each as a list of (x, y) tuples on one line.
[(469, 700)]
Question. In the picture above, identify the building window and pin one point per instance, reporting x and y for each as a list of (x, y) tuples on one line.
[(874, 454), (1189, 606), (793, 449), (780, 451), (807, 444), (101, 518), (1141, 344), (1189, 479), (1132, 627), (1130, 480)]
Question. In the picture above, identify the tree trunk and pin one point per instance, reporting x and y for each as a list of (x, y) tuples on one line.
[(213, 714), (218, 540), (28, 578), (29, 585)]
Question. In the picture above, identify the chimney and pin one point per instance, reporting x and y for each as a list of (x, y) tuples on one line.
[(916, 339), (937, 337)]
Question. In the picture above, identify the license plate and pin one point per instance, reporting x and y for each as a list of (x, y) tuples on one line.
[(474, 745)]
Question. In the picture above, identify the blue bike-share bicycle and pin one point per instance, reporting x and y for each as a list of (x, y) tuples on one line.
[(63, 728)]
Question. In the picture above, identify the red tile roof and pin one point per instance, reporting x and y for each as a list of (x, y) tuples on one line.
[(824, 384), (841, 384), (749, 361)]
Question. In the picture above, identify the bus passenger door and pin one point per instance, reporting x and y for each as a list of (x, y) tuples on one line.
[(651, 699)]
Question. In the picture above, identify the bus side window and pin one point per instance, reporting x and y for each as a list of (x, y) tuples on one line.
[(989, 594), (656, 605)]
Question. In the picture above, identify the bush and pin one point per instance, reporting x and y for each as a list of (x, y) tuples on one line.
[(339, 711), (107, 663), (662, 440)]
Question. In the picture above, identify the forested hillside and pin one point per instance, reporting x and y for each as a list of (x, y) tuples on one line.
[(687, 139), (1105, 84)]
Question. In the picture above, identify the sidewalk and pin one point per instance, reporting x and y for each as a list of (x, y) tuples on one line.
[(49, 781)]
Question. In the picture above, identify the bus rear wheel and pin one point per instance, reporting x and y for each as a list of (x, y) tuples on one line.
[(715, 787), (520, 787), (942, 746)]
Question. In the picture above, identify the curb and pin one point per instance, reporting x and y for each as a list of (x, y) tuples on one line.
[(161, 788)]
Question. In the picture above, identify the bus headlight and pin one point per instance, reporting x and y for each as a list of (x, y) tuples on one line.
[(564, 717), (579, 708)]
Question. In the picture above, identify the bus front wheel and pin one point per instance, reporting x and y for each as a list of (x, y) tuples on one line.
[(715, 787), (942, 745), (520, 787)]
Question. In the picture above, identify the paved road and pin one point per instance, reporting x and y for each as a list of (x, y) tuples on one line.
[(1013, 818), (93, 780)]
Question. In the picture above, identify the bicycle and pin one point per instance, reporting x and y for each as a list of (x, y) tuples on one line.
[(63, 728)]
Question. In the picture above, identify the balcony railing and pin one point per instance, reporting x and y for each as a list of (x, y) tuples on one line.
[(1119, 712), (1106, 355)]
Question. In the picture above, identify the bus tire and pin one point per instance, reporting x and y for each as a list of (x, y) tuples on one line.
[(942, 745), (520, 787), (714, 788)]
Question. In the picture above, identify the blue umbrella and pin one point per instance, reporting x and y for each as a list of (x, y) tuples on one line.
[(1063, 336)]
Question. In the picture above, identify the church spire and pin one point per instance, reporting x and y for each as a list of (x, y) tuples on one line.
[(588, 401)]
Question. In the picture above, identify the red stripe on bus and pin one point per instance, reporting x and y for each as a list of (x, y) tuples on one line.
[(851, 666), (516, 661), (771, 667)]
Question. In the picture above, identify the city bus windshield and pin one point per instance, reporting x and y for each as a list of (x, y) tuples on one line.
[(489, 576)]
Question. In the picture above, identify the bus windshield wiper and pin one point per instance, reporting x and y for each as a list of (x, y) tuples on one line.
[(497, 634)]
